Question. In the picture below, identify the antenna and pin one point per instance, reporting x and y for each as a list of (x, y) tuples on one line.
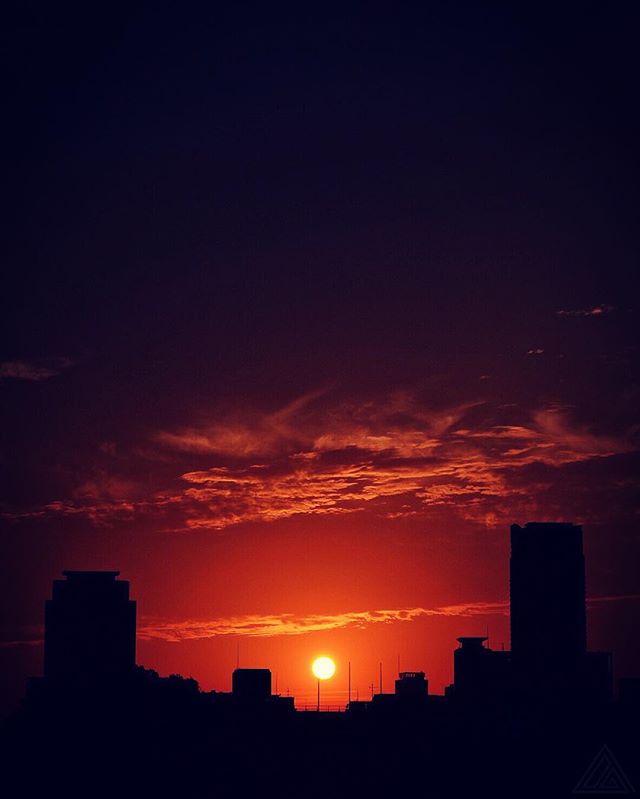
[(398, 664), (238, 655), (349, 682), (276, 683)]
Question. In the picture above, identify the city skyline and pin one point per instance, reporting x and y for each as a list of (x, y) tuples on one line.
[(338, 635), (90, 627), (112, 716)]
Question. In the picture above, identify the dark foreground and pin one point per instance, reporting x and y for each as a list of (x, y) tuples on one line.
[(148, 737)]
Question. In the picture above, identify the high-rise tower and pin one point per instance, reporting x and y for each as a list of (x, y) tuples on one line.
[(548, 617), (90, 625)]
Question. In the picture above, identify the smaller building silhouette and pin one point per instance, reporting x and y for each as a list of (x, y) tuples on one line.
[(597, 678), (90, 626), (629, 692), (251, 685), (412, 685), (480, 693)]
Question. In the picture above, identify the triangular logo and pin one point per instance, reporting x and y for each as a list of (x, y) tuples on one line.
[(604, 775)]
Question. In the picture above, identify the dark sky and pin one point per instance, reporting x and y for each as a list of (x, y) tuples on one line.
[(302, 308)]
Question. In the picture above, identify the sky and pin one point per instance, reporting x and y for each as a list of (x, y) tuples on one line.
[(301, 310)]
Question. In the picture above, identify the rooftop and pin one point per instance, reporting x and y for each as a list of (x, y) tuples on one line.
[(90, 575)]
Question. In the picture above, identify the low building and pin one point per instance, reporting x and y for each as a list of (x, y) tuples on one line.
[(412, 685), (252, 685)]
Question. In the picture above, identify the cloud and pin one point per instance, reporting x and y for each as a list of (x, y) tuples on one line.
[(103, 486), (21, 642), (288, 624), (424, 467), (33, 371), (596, 310), (391, 456), (293, 624), (243, 435)]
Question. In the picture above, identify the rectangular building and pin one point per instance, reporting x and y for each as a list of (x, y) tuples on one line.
[(90, 625), (547, 591), (251, 684)]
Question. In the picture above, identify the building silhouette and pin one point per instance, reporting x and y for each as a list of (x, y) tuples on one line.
[(90, 626), (412, 685), (553, 673), (251, 685), (547, 592), (480, 674)]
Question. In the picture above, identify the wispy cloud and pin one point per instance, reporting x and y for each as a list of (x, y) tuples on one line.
[(292, 624), (33, 370), (392, 456), (421, 465), (244, 434), (21, 642), (288, 624), (596, 310)]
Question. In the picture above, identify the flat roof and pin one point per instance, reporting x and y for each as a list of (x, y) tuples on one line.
[(90, 575)]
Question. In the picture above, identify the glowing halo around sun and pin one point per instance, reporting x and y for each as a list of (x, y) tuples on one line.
[(323, 668)]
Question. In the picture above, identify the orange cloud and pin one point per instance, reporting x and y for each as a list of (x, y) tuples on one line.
[(349, 470), (393, 457), (244, 435), (292, 624), (287, 624)]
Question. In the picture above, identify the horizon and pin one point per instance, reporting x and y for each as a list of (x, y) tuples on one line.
[(334, 694)]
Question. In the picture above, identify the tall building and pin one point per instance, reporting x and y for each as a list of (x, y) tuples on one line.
[(90, 625), (548, 616)]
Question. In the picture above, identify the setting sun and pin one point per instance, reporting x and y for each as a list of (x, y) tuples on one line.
[(323, 668)]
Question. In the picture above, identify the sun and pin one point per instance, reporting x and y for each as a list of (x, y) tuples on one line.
[(323, 668)]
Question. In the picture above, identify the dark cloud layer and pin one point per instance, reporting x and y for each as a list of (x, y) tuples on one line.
[(391, 456)]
